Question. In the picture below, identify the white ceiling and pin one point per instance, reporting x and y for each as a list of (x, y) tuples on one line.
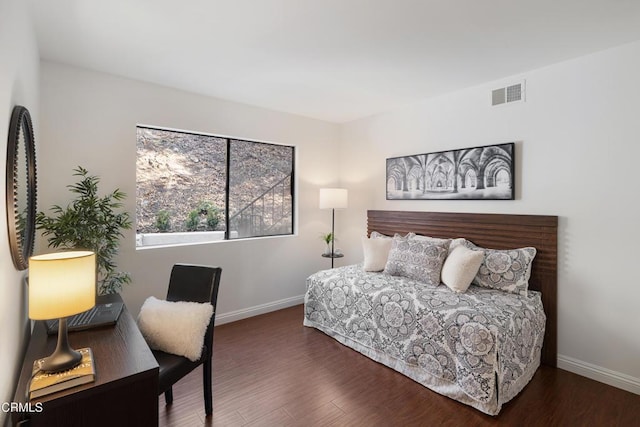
[(334, 60)]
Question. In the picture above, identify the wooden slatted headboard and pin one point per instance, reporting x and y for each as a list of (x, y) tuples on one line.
[(495, 231)]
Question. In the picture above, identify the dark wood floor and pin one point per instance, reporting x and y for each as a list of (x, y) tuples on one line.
[(272, 371)]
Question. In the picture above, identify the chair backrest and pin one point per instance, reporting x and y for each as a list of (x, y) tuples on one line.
[(196, 283)]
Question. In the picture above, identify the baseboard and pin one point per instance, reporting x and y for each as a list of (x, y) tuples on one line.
[(232, 316), (598, 373)]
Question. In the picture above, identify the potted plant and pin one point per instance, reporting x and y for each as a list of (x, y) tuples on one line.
[(327, 238), (92, 223)]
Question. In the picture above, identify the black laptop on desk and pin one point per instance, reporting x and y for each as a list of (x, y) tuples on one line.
[(100, 315)]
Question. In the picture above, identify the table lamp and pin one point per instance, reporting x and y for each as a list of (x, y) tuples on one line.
[(333, 198), (61, 284)]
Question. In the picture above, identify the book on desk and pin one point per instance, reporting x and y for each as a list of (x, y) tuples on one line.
[(44, 383)]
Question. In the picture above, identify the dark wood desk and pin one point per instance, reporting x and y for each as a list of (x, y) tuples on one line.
[(125, 392)]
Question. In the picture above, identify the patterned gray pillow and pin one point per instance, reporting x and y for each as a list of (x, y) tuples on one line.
[(417, 260), (507, 270), (376, 235), (432, 240)]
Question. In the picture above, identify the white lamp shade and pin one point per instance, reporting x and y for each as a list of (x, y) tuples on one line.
[(333, 198), (61, 284)]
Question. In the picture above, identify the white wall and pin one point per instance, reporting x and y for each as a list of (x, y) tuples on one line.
[(577, 156), (18, 86), (90, 118)]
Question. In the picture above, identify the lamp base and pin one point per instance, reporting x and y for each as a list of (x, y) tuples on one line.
[(58, 362), (64, 357)]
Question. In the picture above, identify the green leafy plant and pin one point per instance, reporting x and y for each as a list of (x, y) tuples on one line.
[(205, 210), (163, 221), (193, 221), (213, 218), (92, 223), (327, 237), (212, 214)]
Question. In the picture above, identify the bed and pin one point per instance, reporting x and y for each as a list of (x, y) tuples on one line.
[(481, 346)]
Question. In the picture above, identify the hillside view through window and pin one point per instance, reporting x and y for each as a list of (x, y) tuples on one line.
[(194, 187)]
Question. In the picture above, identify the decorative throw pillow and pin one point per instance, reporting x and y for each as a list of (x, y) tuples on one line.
[(175, 327), (460, 267), (376, 235), (507, 270), (429, 239), (416, 260), (376, 252)]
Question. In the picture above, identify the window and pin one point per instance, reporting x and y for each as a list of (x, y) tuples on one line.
[(194, 187)]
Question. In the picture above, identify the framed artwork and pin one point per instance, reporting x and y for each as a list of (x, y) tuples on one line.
[(478, 173)]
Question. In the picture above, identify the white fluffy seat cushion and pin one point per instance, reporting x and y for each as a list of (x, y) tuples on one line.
[(175, 327), (460, 267)]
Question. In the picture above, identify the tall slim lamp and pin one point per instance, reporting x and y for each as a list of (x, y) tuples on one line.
[(61, 284), (333, 198)]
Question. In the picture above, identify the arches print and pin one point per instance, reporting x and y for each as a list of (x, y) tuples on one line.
[(478, 173)]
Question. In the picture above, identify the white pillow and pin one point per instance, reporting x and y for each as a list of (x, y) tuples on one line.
[(175, 327), (460, 267), (376, 252)]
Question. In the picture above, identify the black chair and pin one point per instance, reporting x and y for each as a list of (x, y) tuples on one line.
[(194, 283)]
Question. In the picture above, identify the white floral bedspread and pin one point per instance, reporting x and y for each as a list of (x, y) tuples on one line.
[(481, 347)]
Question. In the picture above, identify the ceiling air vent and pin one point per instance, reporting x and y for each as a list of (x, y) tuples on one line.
[(506, 95)]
